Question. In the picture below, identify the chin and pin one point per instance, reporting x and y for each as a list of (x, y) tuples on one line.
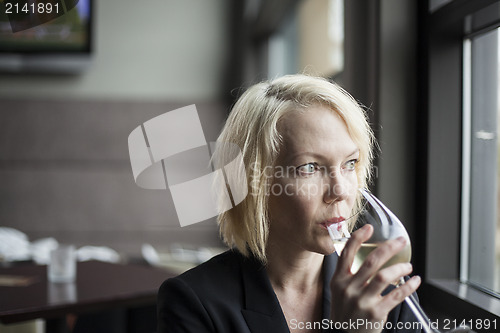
[(330, 251), (326, 249), (326, 245)]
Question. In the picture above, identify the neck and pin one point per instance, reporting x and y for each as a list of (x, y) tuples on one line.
[(299, 271)]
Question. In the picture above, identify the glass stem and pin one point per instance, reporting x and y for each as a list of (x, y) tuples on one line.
[(419, 312)]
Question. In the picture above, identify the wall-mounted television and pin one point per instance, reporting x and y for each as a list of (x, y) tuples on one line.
[(50, 36)]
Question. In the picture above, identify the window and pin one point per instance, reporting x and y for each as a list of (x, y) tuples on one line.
[(460, 160), (480, 264), (310, 39)]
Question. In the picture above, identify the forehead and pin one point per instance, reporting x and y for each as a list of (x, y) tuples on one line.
[(315, 130)]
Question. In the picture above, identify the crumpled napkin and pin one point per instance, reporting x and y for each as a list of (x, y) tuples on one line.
[(41, 248), (101, 253), (14, 245)]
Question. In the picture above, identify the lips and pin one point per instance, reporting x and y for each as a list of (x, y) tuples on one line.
[(334, 220)]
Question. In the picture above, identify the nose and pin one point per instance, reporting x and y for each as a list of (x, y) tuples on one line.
[(336, 188)]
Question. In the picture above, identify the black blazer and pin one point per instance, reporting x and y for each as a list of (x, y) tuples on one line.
[(231, 293)]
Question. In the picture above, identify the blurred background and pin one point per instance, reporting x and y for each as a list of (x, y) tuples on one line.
[(64, 128), (66, 111)]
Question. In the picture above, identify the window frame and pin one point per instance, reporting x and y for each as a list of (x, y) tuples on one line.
[(439, 150)]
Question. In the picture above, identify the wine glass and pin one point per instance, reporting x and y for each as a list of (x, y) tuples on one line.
[(386, 226)]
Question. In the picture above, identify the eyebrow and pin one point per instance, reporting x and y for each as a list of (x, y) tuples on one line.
[(318, 156), (356, 151)]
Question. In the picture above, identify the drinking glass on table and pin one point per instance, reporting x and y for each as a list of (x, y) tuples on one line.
[(62, 264)]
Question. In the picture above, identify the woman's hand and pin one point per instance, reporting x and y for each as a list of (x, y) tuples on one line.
[(356, 298)]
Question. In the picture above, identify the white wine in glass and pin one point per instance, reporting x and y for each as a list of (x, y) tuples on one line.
[(366, 248)]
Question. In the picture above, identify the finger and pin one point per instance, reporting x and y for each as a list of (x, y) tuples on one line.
[(387, 276), (398, 295), (351, 248), (378, 257)]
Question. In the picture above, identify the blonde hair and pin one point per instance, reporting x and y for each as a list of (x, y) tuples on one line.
[(253, 126)]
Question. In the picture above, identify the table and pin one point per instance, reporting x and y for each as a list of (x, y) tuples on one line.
[(99, 286)]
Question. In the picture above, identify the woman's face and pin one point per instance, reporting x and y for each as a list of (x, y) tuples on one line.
[(314, 180)]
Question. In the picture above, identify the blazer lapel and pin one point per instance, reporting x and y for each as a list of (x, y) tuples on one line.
[(329, 264), (262, 310)]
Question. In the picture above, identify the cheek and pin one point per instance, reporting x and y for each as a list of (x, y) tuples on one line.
[(360, 176), (298, 191), (292, 198), (353, 190), (354, 179)]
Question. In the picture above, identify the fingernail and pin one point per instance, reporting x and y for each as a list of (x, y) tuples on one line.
[(416, 279), (401, 239), (366, 227)]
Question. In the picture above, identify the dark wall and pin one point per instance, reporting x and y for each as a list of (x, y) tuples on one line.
[(66, 174)]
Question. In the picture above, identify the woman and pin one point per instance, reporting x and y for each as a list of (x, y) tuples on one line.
[(306, 147)]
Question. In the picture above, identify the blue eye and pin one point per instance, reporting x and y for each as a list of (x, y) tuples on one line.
[(307, 169), (351, 165)]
